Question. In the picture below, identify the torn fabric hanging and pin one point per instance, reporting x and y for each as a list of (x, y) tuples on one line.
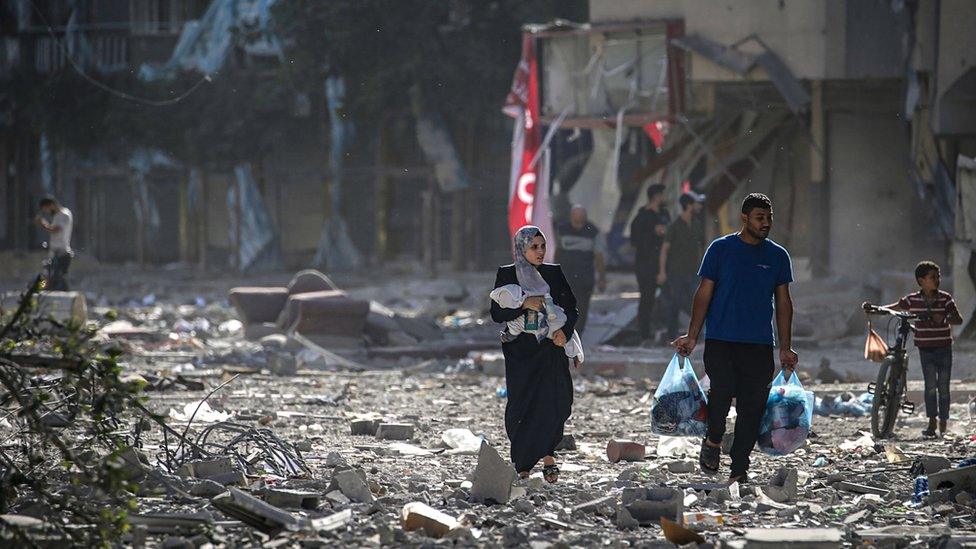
[(251, 231), (203, 45)]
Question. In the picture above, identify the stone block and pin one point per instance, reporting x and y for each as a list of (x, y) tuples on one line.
[(394, 431), (352, 484), (648, 504), (257, 305), (493, 477), (963, 478), (625, 450), (360, 427), (782, 487), (420, 516), (795, 538), (292, 499), (328, 313)]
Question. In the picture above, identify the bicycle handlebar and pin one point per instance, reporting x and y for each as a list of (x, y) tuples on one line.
[(879, 310)]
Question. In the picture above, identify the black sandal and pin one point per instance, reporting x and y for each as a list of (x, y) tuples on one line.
[(550, 473), (709, 458)]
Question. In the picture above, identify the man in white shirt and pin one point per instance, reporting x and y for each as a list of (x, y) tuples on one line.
[(59, 241)]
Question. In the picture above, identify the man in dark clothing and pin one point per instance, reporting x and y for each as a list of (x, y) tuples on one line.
[(680, 257), (742, 274), (580, 248), (646, 236)]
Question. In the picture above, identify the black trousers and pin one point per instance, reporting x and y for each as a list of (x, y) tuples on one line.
[(647, 284), (742, 371), (583, 293), (57, 275), (680, 292)]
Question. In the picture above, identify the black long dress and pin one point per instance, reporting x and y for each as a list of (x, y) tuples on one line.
[(540, 386)]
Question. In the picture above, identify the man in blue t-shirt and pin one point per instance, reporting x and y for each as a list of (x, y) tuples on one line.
[(742, 276)]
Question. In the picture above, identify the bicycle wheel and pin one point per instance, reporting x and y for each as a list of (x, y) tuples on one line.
[(884, 408)]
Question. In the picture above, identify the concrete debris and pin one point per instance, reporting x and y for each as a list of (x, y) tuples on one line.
[(782, 487), (423, 381), (394, 431), (292, 499), (420, 516), (649, 504), (806, 538), (624, 450), (352, 484), (252, 511), (493, 477)]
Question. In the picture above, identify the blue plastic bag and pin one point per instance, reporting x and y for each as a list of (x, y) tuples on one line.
[(679, 407), (789, 414)]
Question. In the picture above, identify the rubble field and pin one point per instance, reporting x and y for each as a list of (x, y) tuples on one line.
[(283, 442)]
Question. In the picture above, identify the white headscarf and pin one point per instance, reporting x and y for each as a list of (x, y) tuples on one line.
[(528, 275)]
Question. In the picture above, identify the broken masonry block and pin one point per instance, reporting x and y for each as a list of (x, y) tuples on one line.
[(364, 427), (782, 487), (596, 505), (352, 484), (394, 431), (420, 516), (333, 521), (963, 478), (625, 450), (254, 512), (647, 504), (258, 305), (808, 538), (325, 313), (292, 499), (493, 477)]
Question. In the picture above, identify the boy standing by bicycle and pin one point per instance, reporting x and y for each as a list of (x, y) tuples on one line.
[(937, 313)]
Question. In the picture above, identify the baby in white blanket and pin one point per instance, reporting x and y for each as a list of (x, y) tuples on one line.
[(511, 296)]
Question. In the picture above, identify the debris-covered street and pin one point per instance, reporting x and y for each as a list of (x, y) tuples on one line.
[(271, 442)]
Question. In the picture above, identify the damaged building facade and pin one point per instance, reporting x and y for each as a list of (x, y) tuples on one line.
[(851, 116), (333, 195)]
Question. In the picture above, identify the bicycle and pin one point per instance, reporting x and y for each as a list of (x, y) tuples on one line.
[(890, 388)]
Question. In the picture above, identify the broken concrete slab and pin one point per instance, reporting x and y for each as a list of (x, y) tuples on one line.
[(933, 464), (963, 478), (207, 488), (207, 469), (683, 466), (782, 487), (258, 305), (624, 520), (352, 484), (292, 499), (796, 538), (648, 504), (394, 431), (568, 443), (420, 516), (254, 512), (329, 313), (493, 476), (625, 450), (333, 521), (173, 523), (861, 488), (592, 506)]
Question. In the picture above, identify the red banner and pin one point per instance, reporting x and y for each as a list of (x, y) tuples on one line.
[(523, 104)]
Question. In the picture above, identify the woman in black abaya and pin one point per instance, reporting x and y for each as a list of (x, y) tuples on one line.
[(540, 386)]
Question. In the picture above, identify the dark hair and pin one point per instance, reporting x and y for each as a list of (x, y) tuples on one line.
[(923, 269), (654, 190), (756, 200), (687, 200), (47, 200)]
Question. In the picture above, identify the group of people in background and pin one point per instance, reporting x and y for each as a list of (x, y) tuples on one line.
[(667, 253)]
